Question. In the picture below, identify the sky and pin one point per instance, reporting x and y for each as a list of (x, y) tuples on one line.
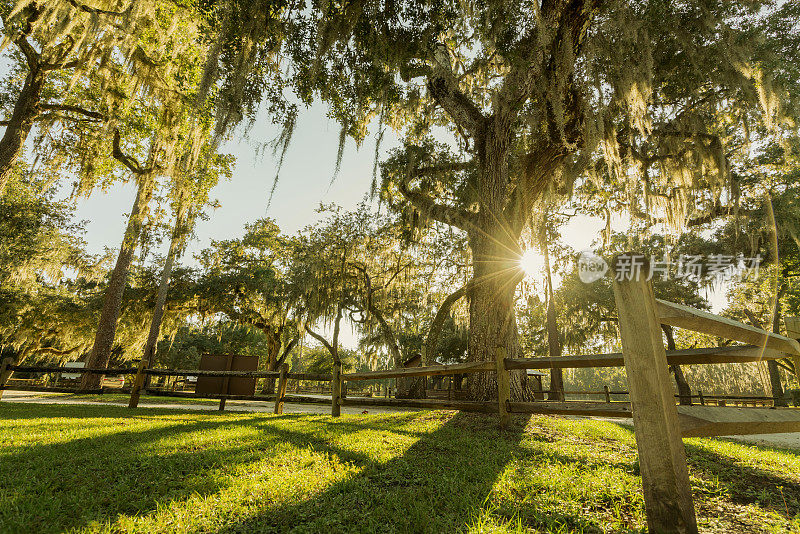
[(304, 182)]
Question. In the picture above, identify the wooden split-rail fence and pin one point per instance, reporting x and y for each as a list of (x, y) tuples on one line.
[(659, 424)]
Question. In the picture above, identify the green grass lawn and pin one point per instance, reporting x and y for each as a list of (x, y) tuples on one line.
[(105, 468)]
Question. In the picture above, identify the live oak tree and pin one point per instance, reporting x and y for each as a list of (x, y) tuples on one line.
[(322, 278), (44, 59), (184, 64), (537, 95), (85, 69), (63, 76)]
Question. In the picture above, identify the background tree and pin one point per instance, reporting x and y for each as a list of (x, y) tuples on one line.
[(165, 107), (246, 280)]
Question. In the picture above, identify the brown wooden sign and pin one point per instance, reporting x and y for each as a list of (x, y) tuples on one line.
[(225, 385)]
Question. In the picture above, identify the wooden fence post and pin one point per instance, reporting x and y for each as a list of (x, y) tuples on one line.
[(5, 373), (608, 393), (336, 389), (662, 457), (503, 387), (280, 391)]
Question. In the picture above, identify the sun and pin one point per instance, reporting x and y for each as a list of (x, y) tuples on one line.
[(531, 262)]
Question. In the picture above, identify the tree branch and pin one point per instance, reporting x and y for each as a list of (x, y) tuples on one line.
[(571, 19), (438, 322), (443, 87), (96, 11), (287, 350), (126, 160), (74, 109), (388, 336), (427, 206), (333, 348), (718, 211), (539, 166), (319, 338), (58, 66), (30, 53), (56, 352)]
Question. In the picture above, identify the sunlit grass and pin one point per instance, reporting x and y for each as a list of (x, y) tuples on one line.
[(123, 398), (104, 468)]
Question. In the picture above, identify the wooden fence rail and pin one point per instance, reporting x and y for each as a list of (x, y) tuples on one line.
[(7, 368), (712, 355), (238, 374), (432, 370)]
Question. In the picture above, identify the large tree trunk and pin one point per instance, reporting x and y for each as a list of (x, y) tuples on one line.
[(494, 242), (19, 125), (492, 324), (107, 326), (492, 320)]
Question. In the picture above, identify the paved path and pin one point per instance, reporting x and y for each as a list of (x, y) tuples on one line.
[(785, 440), (230, 405)]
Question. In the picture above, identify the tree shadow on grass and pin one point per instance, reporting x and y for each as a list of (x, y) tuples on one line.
[(744, 484), (10, 410), (80, 480), (441, 483), (395, 423)]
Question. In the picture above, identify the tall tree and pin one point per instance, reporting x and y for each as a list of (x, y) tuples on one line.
[(170, 103), (107, 325), (535, 94), (58, 46), (191, 193)]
